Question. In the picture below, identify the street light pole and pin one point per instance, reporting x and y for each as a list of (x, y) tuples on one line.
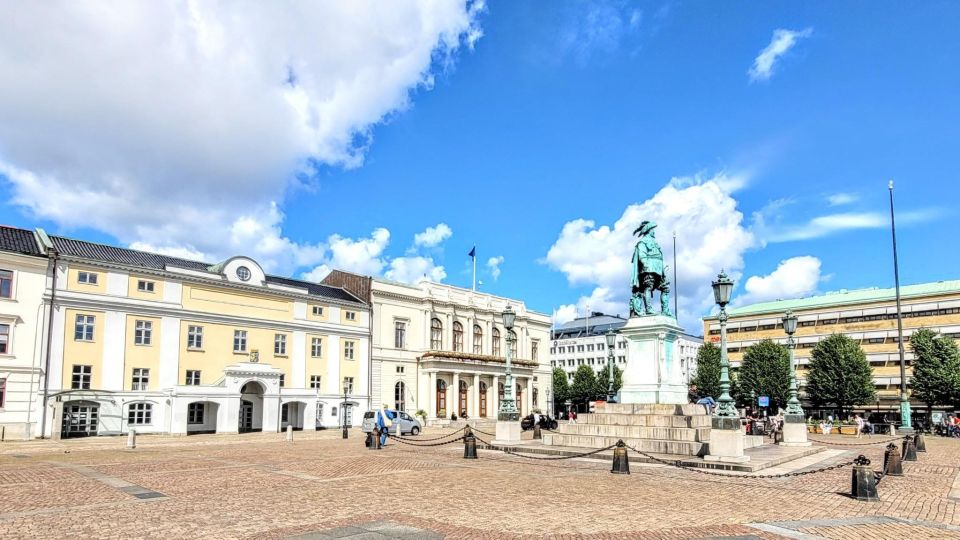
[(790, 326), (343, 409), (611, 342), (904, 400), (726, 407), (508, 408)]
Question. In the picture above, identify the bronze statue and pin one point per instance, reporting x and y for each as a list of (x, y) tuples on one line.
[(649, 274)]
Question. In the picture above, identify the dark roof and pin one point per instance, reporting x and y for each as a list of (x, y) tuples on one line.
[(19, 241), (154, 261), (602, 327)]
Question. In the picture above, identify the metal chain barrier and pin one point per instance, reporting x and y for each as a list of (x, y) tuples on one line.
[(549, 458), (427, 440), (678, 464), (408, 443), (484, 432), (884, 441)]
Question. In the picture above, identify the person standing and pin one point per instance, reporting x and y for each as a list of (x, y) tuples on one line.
[(858, 420), (385, 419)]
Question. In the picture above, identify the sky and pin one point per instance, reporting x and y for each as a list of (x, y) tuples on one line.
[(392, 138)]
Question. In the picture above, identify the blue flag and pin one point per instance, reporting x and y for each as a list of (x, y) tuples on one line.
[(473, 252)]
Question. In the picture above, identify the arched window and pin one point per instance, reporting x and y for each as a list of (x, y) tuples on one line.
[(512, 343), (457, 337), (462, 401), (436, 335), (400, 396), (496, 342), (483, 400), (477, 339), (441, 398)]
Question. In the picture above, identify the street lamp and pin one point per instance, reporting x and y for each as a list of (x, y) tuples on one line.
[(508, 409), (343, 409), (549, 403), (904, 400), (790, 326), (611, 342), (722, 288)]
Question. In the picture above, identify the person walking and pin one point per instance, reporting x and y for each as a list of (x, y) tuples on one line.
[(385, 419), (858, 420), (573, 417)]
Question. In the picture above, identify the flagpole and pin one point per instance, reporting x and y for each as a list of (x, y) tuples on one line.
[(474, 257), (676, 291)]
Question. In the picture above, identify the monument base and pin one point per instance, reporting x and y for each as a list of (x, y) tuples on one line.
[(507, 433), (794, 431), (652, 373), (726, 441)]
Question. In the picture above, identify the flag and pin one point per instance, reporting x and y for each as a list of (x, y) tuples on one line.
[(473, 252)]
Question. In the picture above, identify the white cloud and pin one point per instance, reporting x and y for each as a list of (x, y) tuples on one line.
[(597, 27), (184, 125), (838, 199), (793, 278), (782, 41), (415, 270), (710, 237), (564, 314), (829, 224), (432, 236), (493, 263), (362, 256)]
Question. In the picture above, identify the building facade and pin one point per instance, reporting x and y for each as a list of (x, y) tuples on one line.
[(868, 316), (166, 345), (441, 349), (582, 341)]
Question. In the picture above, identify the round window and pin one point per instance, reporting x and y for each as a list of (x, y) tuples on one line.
[(243, 273)]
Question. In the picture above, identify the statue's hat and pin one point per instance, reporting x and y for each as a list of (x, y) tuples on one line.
[(645, 227)]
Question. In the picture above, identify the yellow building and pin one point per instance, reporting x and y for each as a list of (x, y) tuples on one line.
[(162, 344), (869, 316)]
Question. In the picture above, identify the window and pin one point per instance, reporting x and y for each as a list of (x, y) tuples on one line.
[(348, 384), (315, 381), (767, 326), (194, 337), (715, 332), (243, 273), (348, 350), (351, 315), (240, 341), (87, 278), (534, 349), (6, 284), (193, 377), (399, 334), (318, 311), (81, 377), (4, 338), (83, 329), (400, 369), (496, 342), (283, 379), (600, 346), (808, 323), (579, 348), (512, 343), (875, 340), (316, 347), (457, 337), (195, 413), (141, 379), (436, 335), (400, 396), (477, 339), (145, 286), (139, 414), (280, 344), (590, 347), (3, 392), (828, 321), (143, 331)]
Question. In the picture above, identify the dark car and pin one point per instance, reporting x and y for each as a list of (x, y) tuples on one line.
[(545, 422)]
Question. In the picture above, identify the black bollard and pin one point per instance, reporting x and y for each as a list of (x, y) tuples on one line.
[(536, 431), (919, 443), (864, 482), (469, 445), (891, 461), (909, 450), (621, 465), (373, 439)]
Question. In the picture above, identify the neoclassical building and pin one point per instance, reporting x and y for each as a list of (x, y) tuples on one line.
[(441, 349)]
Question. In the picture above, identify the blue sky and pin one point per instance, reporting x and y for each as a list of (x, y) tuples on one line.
[(531, 116)]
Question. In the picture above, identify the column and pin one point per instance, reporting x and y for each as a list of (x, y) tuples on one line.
[(495, 396), (475, 397), (432, 397), (454, 404), (529, 398)]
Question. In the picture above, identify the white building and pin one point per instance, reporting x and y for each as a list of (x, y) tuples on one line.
[(440, 348), (582, 341)]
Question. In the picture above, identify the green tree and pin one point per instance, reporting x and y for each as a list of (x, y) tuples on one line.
[(584, 385), (707, 378), (765, 371), (603, 381), (839, 374), (561, 388), (936, 369)]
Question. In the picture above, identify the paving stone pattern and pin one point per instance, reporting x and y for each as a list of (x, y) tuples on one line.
[(321, 486)]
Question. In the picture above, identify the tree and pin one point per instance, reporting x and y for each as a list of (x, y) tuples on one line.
[(839, 374), (765, 371), (707, 378), (936, 369), (561, 388), (603, 381), (584, 384)]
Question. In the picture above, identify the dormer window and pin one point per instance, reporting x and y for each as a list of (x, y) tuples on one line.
[(145, 286), (243, 273), (87, 278)]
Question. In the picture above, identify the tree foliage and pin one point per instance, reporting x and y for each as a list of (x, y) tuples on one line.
[(839, 374), (765, 371), (561, 388), (936, 368), (603, 381), (707, 378), (584, 385)]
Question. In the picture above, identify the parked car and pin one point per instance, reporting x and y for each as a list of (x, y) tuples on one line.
[(545, 422), (402, 422)]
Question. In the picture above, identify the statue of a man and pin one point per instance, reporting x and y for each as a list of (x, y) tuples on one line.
[(648, 273)]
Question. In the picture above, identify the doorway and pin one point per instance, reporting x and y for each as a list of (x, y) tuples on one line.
[(79, 419), (251, 407), (246, 416), (483, 400)]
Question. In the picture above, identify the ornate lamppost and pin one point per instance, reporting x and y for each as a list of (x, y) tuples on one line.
[(611, 342), (343, 409), (790, 326), (508, 408), (722, 289)]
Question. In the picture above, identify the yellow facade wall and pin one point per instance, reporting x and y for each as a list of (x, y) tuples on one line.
[(73, 283), (317, 365), (349, 368), (213, 300), (217, 352), (344, 314), (141, 356), (134, 292), (324, 316), (89, 353)]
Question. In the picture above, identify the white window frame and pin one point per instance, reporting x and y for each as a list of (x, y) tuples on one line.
[(348, 381), (318, 311), (351, 315), (399, 334), (6, 342), (143, 333), (196, 412), (87, 278), (194, 337), (13, 281), (316, 347), (316, 381), (239, 341), (146, 286), (87, 323), (192, 377), (86, 376), (348, 350), (279, 344), (141, 413), (140, 379)]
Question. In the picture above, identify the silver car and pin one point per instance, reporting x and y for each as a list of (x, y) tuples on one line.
[(402, 423)]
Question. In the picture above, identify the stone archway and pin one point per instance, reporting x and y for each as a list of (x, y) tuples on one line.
[(292, 413), (251, 407)]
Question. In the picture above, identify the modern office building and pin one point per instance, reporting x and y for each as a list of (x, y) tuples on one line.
[(867, 315)]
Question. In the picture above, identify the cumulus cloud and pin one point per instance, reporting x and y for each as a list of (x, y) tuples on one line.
[(564, 314), (828, 224), (415, 270), (182, 126), (493, 264), (432, 236), (793, 278), (782, 41), (710, 236)]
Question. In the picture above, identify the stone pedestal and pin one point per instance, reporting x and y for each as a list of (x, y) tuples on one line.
[(794, 431), (652, 373), (726, 441), (507, 432)]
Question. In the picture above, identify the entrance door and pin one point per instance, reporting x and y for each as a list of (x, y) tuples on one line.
[(79, 420), (441, 399), (246, 416), (518, 397), (319, 416), (346, 415), (483, 400), (462, 401)]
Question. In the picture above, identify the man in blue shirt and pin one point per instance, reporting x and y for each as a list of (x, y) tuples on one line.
[(385, 419)]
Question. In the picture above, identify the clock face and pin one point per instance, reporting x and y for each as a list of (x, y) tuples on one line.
[(243, 273)]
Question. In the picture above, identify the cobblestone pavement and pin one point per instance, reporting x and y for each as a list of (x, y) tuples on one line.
[(320, 486)]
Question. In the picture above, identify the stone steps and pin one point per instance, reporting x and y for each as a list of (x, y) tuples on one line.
[(637, 431), (646, 420), (681, 448), (686, 409)]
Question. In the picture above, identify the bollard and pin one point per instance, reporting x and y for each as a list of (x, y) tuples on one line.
[(919, 443), (864, 482), (289, 433), (469, 445), (621, 465), (132, 439), (891, 461), (909, 450), (536, 432)]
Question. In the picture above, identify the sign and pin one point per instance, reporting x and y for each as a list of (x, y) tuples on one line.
[(763, 401)]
